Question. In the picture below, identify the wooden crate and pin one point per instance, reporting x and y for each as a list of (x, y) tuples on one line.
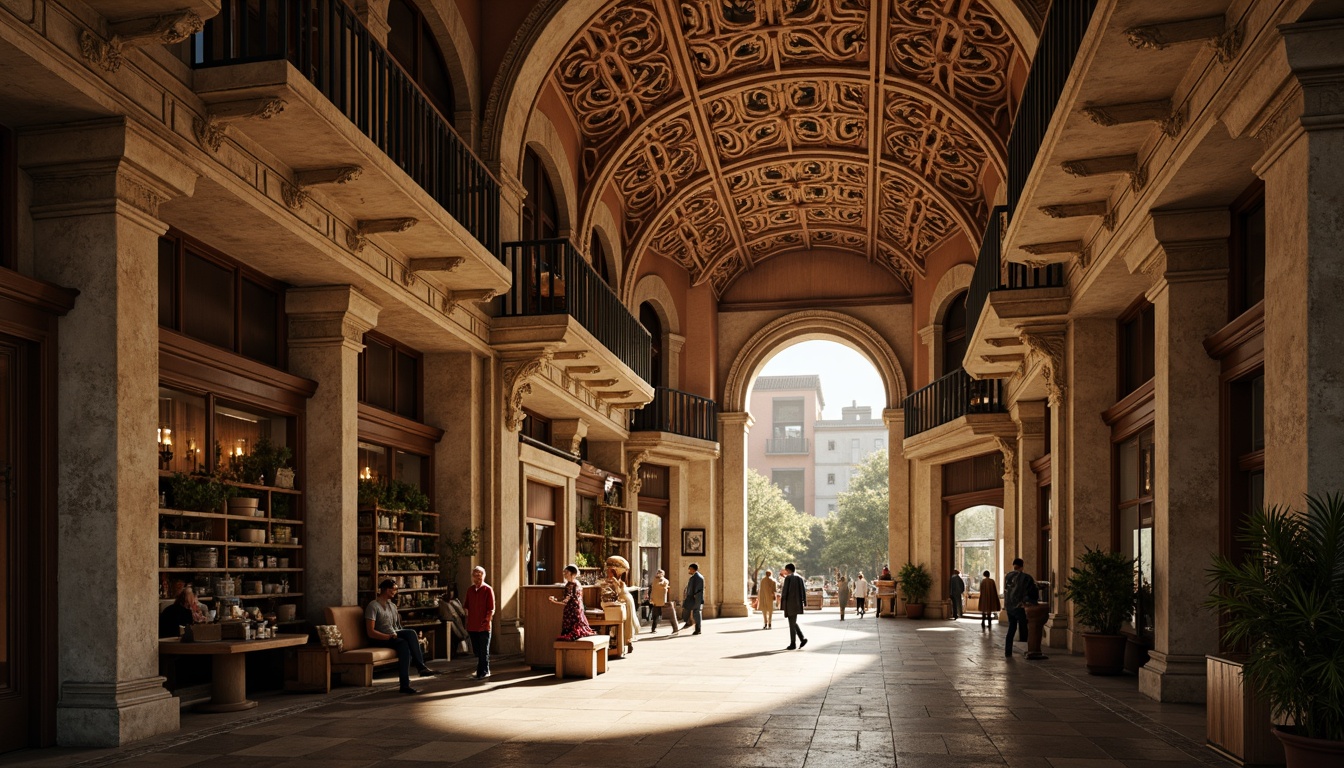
[(1238, 721)]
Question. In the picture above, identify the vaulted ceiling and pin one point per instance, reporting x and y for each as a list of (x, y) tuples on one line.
[(736, 130)]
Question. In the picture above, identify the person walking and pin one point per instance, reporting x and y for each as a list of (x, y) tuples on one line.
[(989, 601), (659, 591), (480, 605), (1018, 590), (956, 587), (765, 598), (861, 590), (693, 599), (842, 592), (793, 598)]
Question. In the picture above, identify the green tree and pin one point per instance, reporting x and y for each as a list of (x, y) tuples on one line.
[(776, 532), (856, 535), (810, 560)]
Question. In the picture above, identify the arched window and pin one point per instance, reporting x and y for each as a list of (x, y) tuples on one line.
[(648, 317), (541, 215), (600, 261), (954, 333), (412, 44)]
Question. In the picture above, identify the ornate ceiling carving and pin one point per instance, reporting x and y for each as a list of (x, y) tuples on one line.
[(734, 130)]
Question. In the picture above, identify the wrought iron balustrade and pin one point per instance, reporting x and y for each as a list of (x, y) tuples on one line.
[(949, 398), (777, 445), (1065, 26), (993, 274), (680, 413), (327, 42), (551, 278)]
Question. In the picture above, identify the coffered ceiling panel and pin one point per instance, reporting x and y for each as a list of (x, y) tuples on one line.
[(735, 130)]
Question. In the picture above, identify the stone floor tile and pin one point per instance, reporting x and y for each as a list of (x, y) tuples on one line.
[(444, 751), (290, 746)]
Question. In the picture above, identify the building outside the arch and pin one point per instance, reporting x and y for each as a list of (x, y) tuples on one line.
[(514, 275)]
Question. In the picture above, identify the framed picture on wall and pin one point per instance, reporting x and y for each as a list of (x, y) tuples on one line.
[(692, 541)]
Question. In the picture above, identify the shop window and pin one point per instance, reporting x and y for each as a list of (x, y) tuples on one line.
[(954, 334), (214, 299), (1137, 348), (9, 199), (390, 376), (411, 42), (386, 464), (1134, 514), (1246, 277)]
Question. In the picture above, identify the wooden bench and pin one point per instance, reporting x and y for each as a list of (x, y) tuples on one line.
[(585, 657), (355, 663)]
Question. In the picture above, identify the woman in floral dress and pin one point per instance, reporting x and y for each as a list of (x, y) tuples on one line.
[(573, 623)]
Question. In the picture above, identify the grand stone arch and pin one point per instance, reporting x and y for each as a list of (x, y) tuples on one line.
[(735, 425)]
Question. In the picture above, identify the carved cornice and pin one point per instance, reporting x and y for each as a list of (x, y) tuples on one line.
[(451, 299), (358, 237), (164, 30), (1048, 350), (211, 129), (1171, 121), (517, 385), (632, 480), (1009, 450), (1098, 166), (296, 193)]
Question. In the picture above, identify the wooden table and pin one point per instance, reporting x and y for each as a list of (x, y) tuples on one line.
[(619, 634), (228, 686), (543, 619)]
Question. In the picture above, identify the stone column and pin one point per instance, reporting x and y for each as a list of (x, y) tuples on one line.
[(504, 527), (374, 15), (676, 343), (97, 189), (1303, 171), (732, 534), (932, 337), (701, 493), (1189, 297), (898, 487), (1031, 445), (926, 533), (457, 387), (326, 335)]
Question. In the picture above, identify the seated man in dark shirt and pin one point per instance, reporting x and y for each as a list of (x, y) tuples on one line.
[(384, 628)]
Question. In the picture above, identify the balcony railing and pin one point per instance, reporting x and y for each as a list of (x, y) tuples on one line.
[(990, 274), (326, 42), (949, 398), (1063, 33), (551, 278), (775, 445), (680, 413)]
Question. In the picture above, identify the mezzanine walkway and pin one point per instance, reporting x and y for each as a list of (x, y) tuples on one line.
[(938, 695)]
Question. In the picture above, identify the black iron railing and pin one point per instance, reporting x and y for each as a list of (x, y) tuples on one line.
[(949, 398), (325, 41), (992, 274), (680, 413), (774, 445), (1063, 33), (551, 278)]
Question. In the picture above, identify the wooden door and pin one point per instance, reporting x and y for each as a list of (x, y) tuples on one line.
[(17, 617)]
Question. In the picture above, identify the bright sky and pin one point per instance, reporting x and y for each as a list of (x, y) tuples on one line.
[(845, 374)]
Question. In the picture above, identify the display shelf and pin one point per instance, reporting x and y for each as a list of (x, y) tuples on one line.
[(168, 512), (222, 543), (168, 475), (263, 595)]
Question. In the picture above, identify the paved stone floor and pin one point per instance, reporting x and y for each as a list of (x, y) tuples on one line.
[(863, 693)]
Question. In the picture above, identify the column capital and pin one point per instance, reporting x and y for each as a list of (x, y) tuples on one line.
[(893, 417), (566, 434), (329, 315), (737, 419), (930, 334), (675, 342), (1046, 346), (1191, 246), (1317, 62)]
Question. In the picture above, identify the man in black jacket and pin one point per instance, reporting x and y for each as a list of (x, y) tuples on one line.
[(693, 600), (793, 598)]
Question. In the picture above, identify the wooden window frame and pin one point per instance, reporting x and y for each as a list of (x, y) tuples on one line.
[(1133, 316), (183, 242), (393, 432), (397, 349), (1251, 198)]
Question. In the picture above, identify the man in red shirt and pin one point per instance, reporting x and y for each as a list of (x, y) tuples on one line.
[(480, 603)]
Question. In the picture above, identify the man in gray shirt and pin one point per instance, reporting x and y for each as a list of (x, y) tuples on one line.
[(384, 629)]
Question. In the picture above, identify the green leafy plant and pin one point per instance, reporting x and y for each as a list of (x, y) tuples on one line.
[(411, 498), (584, 560), (1284, 604), (370, 492), (916, 583), (266, 457), (1102, 590), (455, 548), (199, 494)]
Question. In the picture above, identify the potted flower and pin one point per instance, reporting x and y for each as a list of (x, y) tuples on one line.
[(1101, 589), (1284, 604), (915, 584)]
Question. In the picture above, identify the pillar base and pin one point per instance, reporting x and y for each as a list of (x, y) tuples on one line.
[(113, 714), (1056, 631), (506, 640), (734, 610), (1173, 678)]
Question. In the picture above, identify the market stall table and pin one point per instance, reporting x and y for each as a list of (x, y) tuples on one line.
[(228, 687), (615, 628)]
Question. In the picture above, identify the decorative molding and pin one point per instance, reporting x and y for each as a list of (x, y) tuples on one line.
[(1098, 166), (139, 196), (210, 130), (574, 354), (1009, 450), (1001, 342), (632, 480), (611, 396), (568, 434), (1076, 248), (1075, 210), (452, 299), (1157, 37), (1048, 350), (1286, 111), (166, 30), (441, 264), (358, 237), (600, 383), (1014, 359), (517, 385), (1171, 121), (583, 370), (296, 193)]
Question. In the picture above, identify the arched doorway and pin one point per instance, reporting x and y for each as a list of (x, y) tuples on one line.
[(648, 317)]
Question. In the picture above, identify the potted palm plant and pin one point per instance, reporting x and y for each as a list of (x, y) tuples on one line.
[(1102, 591), (1284, 604), (915, 584)]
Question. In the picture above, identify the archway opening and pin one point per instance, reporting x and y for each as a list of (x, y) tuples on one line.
[(976, 544)]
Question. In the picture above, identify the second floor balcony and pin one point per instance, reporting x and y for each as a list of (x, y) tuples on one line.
[(776, 446), (678, 413), (309, 83), (950, 398)]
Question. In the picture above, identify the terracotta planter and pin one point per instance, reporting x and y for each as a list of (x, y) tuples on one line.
[(1104, 654), (1305, 752), (914, 610)]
